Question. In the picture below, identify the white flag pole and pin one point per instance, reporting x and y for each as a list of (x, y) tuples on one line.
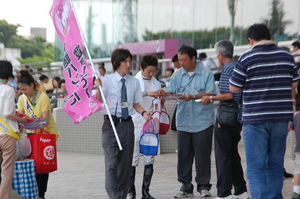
[(95, 74)]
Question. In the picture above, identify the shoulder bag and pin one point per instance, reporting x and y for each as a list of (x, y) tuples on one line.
[(228, 113)]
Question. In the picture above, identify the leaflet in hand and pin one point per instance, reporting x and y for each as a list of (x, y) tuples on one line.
[(174, 97)]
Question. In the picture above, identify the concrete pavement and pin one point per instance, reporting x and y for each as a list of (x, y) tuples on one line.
[(81, 176)]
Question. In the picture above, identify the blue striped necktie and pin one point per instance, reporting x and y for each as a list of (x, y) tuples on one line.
[(124, 99)]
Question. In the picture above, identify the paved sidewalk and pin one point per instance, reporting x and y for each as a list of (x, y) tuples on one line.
[(81, 176)]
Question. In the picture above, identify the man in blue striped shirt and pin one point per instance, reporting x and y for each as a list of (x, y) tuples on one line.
[(266, 74), (226, 138)]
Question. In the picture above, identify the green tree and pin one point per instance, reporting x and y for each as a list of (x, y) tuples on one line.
[(29, 48), (202, 38), (47, 55), (232, 10), (275, 21), (7, 31), (32, 50)]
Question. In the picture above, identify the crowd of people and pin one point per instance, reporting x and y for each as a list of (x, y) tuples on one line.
[(262, 78)]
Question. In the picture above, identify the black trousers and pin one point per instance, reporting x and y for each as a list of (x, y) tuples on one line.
[(42, 182), (196, 146), (228, 161)]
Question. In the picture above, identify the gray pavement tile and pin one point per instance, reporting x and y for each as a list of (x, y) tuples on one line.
[(81, 176)]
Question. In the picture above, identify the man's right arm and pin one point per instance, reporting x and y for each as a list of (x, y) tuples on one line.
[(234, 89)]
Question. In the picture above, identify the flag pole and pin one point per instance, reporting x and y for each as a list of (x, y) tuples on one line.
[(95, 75)]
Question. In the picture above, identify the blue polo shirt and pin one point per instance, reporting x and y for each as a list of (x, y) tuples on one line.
[(266, 74), (192, 116)]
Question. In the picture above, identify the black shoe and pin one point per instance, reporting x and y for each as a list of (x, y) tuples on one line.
[(287, 175), (131, 191)]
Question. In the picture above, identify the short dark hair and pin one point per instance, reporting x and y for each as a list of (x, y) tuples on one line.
[(60, 82), (6, 69), (148, 60), (187, 50), (170, 69), (42, 77), (119, 55), (175, 58), (202, 55), (102, 67), (26, 78), (296, 44), (259, 32)]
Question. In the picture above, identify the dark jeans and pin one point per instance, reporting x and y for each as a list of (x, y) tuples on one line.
[(265, 146), (194, 146), (228, 161)]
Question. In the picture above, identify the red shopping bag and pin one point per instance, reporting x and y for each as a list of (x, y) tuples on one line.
[(163, 117), (43, 152)]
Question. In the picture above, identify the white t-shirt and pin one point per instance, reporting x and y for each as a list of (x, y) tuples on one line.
[(296, 56), (147, 102), (210, 64), (7, 106)]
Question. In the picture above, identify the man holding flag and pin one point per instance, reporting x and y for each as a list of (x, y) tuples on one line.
[(121, 104), (123, 94)]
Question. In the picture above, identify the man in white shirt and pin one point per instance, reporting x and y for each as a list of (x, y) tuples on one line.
[(118, 162), (208, 62), (148, 83)]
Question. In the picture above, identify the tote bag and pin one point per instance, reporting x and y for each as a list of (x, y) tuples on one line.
[(24, 181), (43, 152), (163, 117), (149, 139), (149, 144)]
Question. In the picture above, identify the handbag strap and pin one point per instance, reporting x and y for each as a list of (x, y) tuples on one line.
[(41, 131), (160, 107)]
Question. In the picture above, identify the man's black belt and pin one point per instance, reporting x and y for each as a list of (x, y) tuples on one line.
[(117, 119)]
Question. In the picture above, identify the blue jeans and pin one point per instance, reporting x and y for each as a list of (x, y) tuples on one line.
[(265, 148)]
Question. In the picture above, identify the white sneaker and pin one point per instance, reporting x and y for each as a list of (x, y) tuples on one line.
[(205, 193), (244, 195), (182, 194), (227, 197)]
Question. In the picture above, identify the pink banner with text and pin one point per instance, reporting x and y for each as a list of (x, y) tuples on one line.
[(78, 74)]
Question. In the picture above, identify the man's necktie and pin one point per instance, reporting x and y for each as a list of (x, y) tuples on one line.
[(124, 99)]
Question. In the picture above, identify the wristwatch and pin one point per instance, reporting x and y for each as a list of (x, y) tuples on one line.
[(143, 113), (211, 99)]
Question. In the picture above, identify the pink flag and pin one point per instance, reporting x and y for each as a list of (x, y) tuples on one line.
[(78, 74)]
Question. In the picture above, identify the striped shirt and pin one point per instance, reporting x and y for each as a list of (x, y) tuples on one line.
[(265, 74), (224, 85)]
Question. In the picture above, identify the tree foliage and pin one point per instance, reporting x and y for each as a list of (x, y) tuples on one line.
[(275, 21), (32, 50), (202, 38), (46, 55), (7, 31)]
